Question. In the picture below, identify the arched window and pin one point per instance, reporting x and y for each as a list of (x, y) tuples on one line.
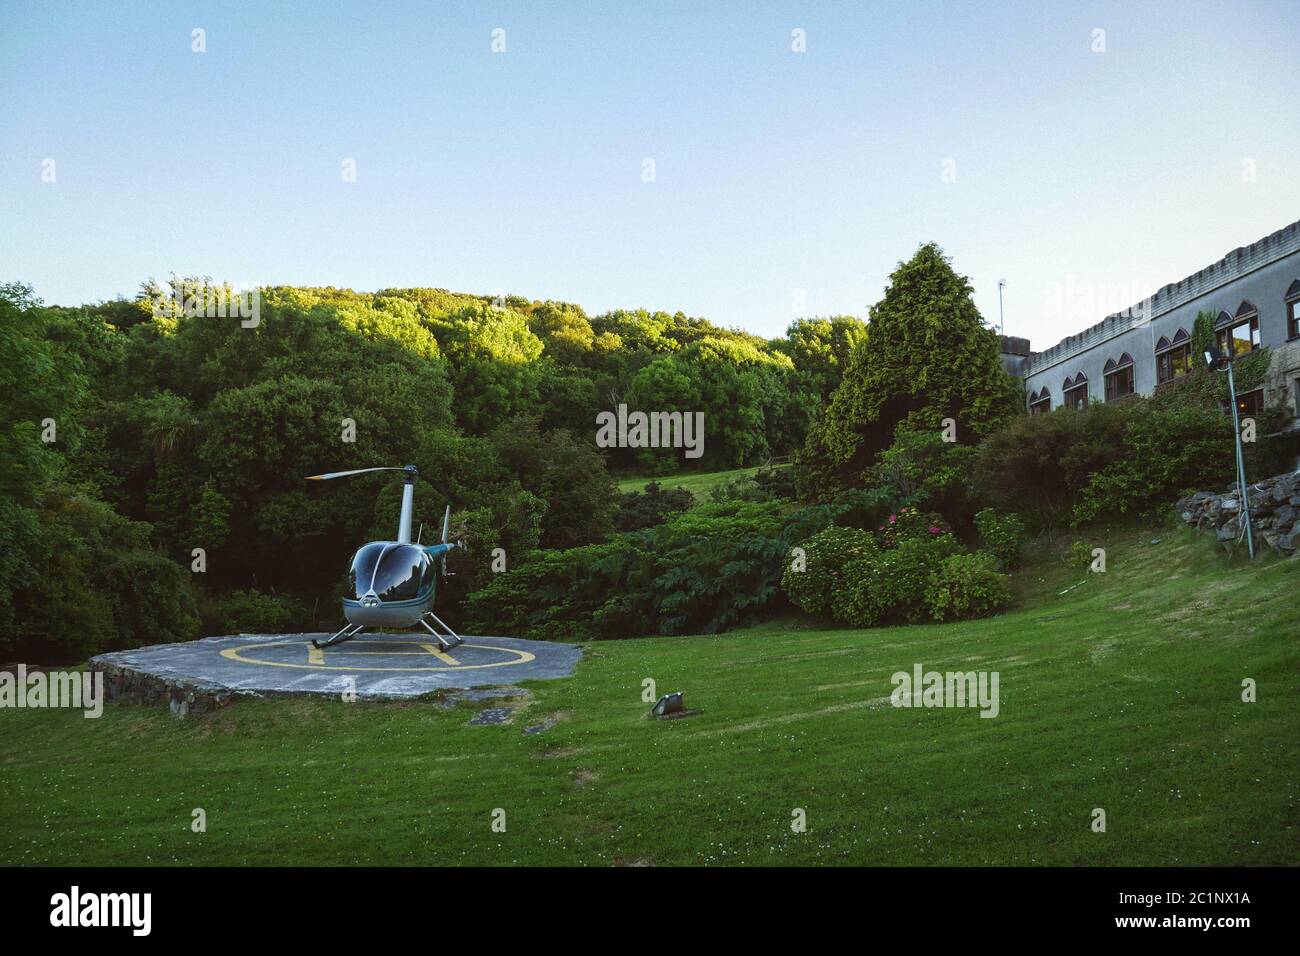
[(1240, 333), (1075, 391), (1173, 357), (1293, 310), (1119, 377), (1040, 402)]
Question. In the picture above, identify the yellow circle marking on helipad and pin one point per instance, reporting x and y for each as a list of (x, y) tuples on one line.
[(236, 654)]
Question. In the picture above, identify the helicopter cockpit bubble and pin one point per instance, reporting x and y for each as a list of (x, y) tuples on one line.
[(390, 571)]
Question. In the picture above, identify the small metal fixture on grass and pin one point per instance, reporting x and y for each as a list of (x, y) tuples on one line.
[(667, 704)]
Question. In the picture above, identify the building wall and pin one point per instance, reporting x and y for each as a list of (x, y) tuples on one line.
[(1015, 355), (1259, 273), (1283, 380)]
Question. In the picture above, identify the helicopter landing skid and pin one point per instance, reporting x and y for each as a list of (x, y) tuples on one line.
[(349, 631), (449, 639)]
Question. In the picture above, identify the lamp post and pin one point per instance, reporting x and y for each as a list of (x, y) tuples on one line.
[(1002, 284), (1212, 358)]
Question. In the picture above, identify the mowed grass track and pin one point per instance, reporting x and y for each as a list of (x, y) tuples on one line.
[(1124, 694), (698, 483)]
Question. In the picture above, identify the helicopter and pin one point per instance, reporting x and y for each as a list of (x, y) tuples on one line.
[(392, 583)]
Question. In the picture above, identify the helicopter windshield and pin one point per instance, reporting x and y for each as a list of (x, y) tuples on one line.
[(395, 572)]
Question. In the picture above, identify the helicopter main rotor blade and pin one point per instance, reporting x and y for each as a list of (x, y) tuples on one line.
[(344, 474)]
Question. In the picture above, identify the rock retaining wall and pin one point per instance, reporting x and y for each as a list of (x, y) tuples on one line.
[(1274, 511), (181, 697)]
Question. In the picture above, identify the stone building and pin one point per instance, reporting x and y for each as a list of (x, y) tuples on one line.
[(1254, 292)]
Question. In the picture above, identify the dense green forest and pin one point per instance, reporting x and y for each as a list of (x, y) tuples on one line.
[(153, 462), (174, 432)]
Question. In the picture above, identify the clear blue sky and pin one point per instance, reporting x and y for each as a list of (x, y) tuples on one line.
[(522, 171)]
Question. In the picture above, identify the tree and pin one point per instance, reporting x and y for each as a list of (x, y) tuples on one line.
[(564, 330), (492, 370), (564, 471), (821, 349), (179, 431), (42, 385), (928, 356)]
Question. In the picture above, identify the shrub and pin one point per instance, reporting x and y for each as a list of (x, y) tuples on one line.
[(922, 470), (777, 481), (966, 585), (638, 510), (702, 571), (96, 585), (1079, 556), (251, 612), (802, 523), (827, 557), (1003, 536), (1169, 449), (1130, 457), (1038, 465), (739, 488), (707, 585), (553, 595), (891, 585), (908, 524), (863, 507), (768, 483), (624, 615), (155, 603)]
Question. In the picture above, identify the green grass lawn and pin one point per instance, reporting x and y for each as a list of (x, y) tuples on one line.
[(698, 483), (1123, 694)]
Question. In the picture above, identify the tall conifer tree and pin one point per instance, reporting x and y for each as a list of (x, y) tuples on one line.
[(927, 356)]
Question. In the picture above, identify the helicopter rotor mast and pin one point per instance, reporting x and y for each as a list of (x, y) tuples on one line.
[(408, 505)]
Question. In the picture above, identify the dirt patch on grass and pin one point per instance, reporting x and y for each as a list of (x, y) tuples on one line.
[(582, 777), (451, 698), (1193, 609), (765, 722), (1101, 651), (852, 683), (1142, 678), (555, 753), (223, 722), (549, 722)]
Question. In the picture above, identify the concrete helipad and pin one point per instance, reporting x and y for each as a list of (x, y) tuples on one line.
[(375, 666)]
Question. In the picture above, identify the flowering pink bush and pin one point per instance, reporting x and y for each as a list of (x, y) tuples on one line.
[(908, 524)]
